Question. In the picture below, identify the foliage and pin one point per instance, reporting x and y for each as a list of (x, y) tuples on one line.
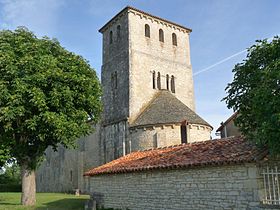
[(255, 94), (11, 175), (50, 201), (47, 95), (4, 155)]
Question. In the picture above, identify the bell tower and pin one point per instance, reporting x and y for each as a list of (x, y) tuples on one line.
[(142, 54)]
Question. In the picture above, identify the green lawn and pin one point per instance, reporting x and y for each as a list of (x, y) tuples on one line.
[(45, 201)]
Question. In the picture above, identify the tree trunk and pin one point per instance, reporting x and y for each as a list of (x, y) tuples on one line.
[(28, 193)]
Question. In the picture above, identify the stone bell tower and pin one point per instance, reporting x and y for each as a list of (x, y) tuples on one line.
[(142, 54)]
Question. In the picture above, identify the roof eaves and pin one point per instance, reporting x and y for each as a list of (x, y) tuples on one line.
[(227, 121)]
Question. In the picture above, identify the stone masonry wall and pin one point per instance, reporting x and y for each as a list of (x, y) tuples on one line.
[(62, 171), (115, 74), (163, 136), (153, 137), (149, 54), (199, 133), (214, 187)]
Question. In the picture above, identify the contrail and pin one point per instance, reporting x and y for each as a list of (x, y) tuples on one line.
[(224, 60)]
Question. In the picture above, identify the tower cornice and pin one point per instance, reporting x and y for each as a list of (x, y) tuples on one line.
[(141, 13)]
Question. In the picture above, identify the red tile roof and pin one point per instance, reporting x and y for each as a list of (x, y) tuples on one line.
[(211, 152)]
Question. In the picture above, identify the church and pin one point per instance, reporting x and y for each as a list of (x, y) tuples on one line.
[(148, 98)]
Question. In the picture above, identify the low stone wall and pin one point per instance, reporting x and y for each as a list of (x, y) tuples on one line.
[(212, 187)]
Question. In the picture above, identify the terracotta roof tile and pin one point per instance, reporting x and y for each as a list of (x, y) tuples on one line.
[(211, 152)]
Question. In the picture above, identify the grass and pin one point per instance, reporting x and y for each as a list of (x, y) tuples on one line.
[(45, 201)]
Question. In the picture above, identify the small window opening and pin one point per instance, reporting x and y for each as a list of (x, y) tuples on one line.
[(114, 80), (118, 32), (172, 84), (161, 35), (174, 39), (147, 30), (154, 80), (158, 81), (111, 37), (183, 134), (155, 140), (71, 175), (167, 81)]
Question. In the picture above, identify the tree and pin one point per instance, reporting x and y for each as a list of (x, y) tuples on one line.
[(255, 94), (47, 97), (4, 155), (11, 174)]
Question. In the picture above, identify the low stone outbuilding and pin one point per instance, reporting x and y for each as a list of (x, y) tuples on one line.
[(216, 174)]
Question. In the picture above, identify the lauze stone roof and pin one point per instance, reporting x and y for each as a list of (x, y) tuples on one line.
[(211, 152), (165, 108)]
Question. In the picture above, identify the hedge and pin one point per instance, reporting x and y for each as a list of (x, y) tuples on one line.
[(10, 187)]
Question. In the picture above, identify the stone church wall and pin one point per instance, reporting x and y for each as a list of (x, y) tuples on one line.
[(153, 137), (199, 133), (114, 73), (114, 137), (217, 187), (62, 171), (163, 136)]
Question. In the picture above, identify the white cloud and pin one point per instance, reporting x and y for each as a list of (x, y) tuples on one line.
[(38, 15)]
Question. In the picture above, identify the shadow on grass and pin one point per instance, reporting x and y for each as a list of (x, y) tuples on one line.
[(64, 204), (9, 204)]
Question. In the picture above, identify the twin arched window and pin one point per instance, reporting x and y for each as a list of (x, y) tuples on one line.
[(157, 81), (118, 34)]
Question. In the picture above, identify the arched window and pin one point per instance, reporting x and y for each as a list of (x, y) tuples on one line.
[(161, 35), (147, 30), (174, 39), (118, 31), (111, 37), (158, 81), (172, 84), (71, 175), (183, 134), (167, 81), (116, 80), (154, 80)]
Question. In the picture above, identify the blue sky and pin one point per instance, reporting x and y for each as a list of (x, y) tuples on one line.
[(221, 28)]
